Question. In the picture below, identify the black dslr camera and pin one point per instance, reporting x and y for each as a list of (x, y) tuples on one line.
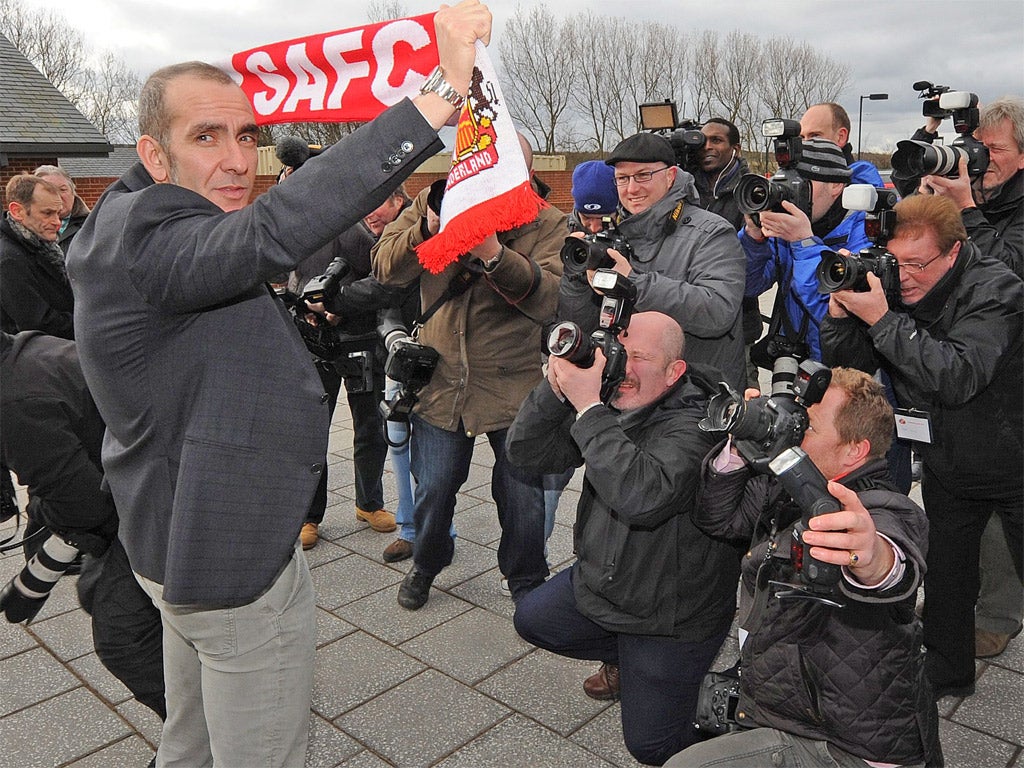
[(684, 135), (754, 193), (409, 363), (567, 340), (809, 489), (840, 273), (914, 159), (591, 251), (765, 426)]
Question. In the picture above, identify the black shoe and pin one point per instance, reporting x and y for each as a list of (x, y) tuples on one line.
[(415, 590)]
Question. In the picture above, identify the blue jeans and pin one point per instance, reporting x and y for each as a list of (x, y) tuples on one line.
[(440, 464), (659, 676), (398, 449)]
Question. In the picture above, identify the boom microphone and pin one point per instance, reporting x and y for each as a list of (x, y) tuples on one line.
[(292, 151)]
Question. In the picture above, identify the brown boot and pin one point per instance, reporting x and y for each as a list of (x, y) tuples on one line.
[(379, 519), (309, 535), (603, 685)]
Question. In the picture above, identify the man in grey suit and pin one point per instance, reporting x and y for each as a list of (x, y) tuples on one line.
[(216, 420)]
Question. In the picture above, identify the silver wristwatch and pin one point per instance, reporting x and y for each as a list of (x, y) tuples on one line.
[(437, 84)]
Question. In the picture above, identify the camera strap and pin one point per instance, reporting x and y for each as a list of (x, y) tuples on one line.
[(460, 282)]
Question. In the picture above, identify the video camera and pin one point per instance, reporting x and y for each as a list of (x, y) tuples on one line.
[(684, 135), (809, 489), (914, 159), (409, 363), (591, 251), (841, 273), (755, 194), (568, 341), (764, 427)]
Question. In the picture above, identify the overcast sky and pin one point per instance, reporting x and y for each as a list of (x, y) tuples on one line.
[(973, 45)]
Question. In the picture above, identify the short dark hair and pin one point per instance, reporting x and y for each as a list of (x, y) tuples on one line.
[(22, 188), (153, 118), (866, 414), (733, 131)]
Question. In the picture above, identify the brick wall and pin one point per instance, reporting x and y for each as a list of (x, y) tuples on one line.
[(20, 165)]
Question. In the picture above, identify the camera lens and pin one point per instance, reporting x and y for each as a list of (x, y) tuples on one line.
[(839, 273), (568, 341), (753, 194), (913, 159), (575, 252)]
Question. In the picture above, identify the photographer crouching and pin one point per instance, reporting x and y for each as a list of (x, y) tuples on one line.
[(831, 674), (649, 594)]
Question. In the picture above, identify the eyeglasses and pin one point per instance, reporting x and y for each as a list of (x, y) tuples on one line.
[(916, 267), (640, 178)]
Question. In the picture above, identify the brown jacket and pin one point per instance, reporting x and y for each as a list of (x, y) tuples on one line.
[(489, 337)]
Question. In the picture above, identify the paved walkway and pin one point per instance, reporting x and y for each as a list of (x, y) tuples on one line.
[(450, 685)]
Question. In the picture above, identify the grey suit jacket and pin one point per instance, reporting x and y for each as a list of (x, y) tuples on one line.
[(216, 419)]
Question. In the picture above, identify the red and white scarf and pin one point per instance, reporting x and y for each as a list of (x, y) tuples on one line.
[(353, 75)]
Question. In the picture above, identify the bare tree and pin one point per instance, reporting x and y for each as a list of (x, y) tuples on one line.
[(539, 72), (385, 10), (109, 99)]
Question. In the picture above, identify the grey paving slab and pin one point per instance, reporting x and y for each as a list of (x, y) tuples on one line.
[(143, 719), (484, 591), (131, 752), (479, 522), (470, 646), (380, 615), (328, 746), (366, 759), (547, 688), (68, 635), (350, 578), (90, 669), (325, 551), (63, 598), (470, 560), (997, 707), (32, 677), (14, 638), (354, 669), (58, 730), (329, 627), (422, 720), (603, 736), (520, 743), (966, 748), (369, 543)]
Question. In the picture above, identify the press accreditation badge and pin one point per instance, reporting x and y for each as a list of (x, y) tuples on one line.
[(912, 424)]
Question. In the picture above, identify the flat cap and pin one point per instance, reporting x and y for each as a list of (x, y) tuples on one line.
[(643, 148)]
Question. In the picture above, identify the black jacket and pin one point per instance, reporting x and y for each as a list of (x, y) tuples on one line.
[(34, 293), (717, 193), (642, 566), (957, 355), (51, 438), (851, 676)]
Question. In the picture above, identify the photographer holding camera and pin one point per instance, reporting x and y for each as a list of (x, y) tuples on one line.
[(684, 261), (820, 684), (952, 346), (649, 595), (487, 336), (784, 246), (992, 206)]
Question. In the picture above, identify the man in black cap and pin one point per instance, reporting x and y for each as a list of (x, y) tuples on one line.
[(685, 261), (786, 246)]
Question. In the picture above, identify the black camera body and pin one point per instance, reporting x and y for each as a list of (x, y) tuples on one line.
[(840, 273), (806, 485), (755, 194), (914, 159), (568, 341), (764, 427), (323, 288), (688, 145), (409, 363), (591, 251)]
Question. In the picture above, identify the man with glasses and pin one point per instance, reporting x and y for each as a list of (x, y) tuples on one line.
[(952, 348), (685, 262)]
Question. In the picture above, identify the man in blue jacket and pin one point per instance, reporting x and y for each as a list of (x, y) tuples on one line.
[(786, 248)]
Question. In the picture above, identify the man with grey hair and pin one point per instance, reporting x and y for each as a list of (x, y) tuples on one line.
[(993, 205), (73, 210)]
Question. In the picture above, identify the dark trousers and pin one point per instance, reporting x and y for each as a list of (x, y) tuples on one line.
[(660, 676), (126, 627), (369, 449), (440, 463), (951, 584)]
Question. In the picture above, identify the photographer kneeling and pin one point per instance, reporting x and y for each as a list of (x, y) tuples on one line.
[(834, 679), (648, 592)]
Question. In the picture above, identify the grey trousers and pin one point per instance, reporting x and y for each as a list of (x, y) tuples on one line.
[(1000, 605), (239, 679), (767, 748)]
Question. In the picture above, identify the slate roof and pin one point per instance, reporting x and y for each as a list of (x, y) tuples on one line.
[(36, 118), (121, 159)]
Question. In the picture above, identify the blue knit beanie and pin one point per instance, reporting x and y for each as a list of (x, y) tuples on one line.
[(593, 189)]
